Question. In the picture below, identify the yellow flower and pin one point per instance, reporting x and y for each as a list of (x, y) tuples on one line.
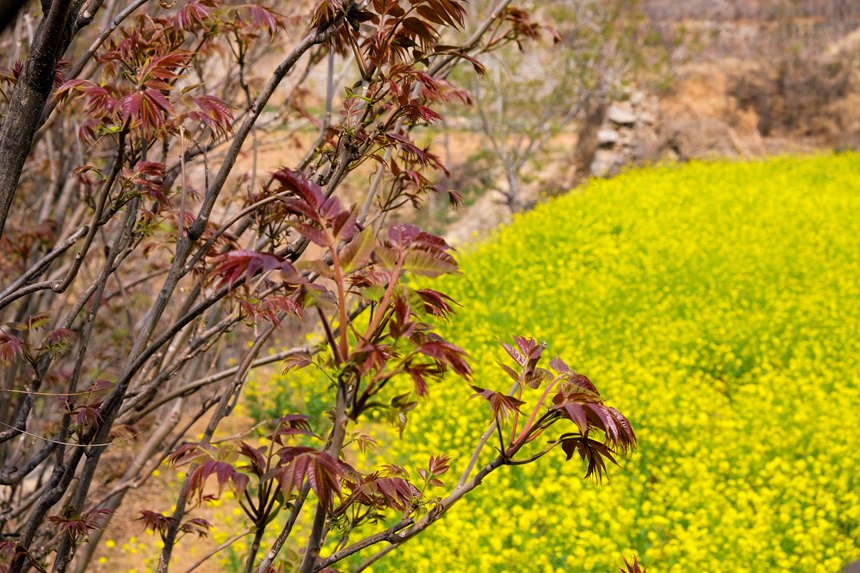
[(715, 305)]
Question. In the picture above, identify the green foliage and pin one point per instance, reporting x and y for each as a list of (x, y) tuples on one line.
[(717, 305)]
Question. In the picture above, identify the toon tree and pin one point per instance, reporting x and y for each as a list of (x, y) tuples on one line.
[(148, 267)]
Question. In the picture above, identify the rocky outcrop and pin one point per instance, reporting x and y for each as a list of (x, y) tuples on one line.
[(628, 134)]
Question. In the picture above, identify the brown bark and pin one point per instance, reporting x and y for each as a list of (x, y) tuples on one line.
[(28, 100)]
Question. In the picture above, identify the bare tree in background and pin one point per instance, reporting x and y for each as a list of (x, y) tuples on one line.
[(559, 78)]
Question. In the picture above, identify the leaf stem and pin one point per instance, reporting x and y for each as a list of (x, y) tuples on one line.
[(528, 425)]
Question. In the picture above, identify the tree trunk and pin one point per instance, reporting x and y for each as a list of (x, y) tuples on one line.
[(513, 199), (586, 144), (28, 100)]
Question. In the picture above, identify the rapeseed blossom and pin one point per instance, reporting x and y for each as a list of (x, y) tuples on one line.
[(718, 305), (715, 304)]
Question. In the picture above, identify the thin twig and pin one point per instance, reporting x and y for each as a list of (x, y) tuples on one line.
[(217, 550)]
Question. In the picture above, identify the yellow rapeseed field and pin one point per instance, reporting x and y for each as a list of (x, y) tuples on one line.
[(718, 305)]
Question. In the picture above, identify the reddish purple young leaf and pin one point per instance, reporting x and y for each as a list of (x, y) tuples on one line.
[(86, 416), (231, 266), (447, 354), (197, 526), (420, 382), (500, 404), (304, 188), (167, 66), (271, 308), (408, 147), (576, 414), (79, 525), (592, 452), (401, 235), (383, 492), (587, 411), (299, 207), (256, 459), (509, 371), (214, 113), (343, 222), (264, 18), (420, 113), (297, 361), (512, 352), (11, 348), (129, 106), (321, 470), (598, 416), (185, 454), (627, 438), (558, 365), (154, 521), (292, 425), (438, 465), (431, 243), (311, 233), (436, 303), (365, 443), (224, 473), (581, 381), (526, 346), (194, 14)]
